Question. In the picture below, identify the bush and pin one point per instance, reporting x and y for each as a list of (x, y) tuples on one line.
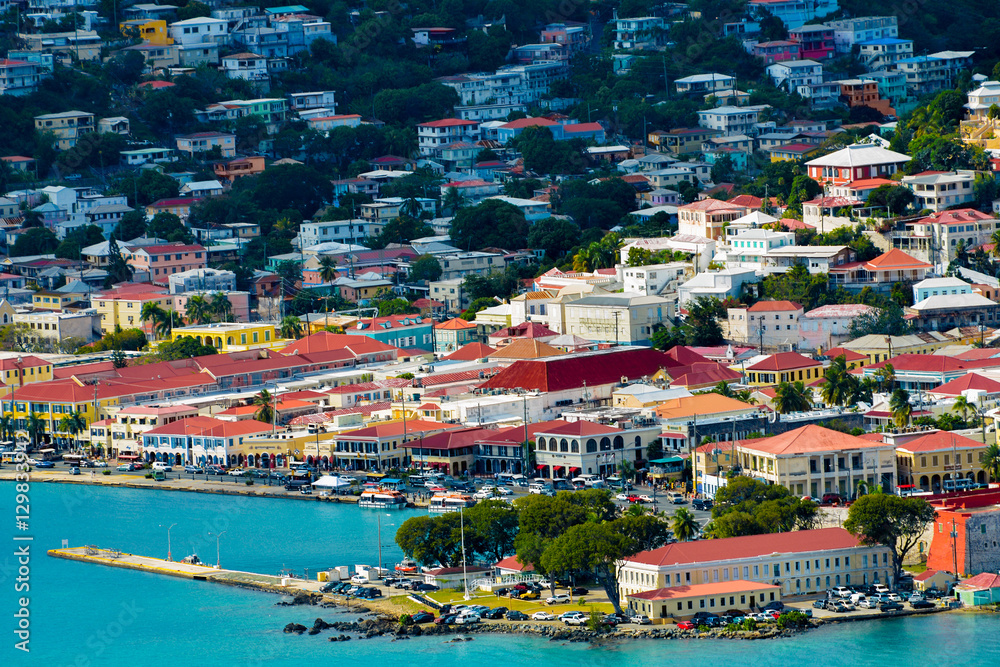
[(249, 482), (406, 619), (595, 622), (106, 472), (749, 625), (732, 627), (703, 628), (149, 475), (581, 601), (793, 619)]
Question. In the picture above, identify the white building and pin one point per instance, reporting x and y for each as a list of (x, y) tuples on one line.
[(432, 136), (705, 84), (340, 231), (732, 120), (655, 279), (848, 32), (829, 326), (938, 191), (775, 324), (718, 284), (639, 33), (200, 30), (202, 280), (816, 259), (749, 248), (790, 74), (624, 318), (939, 287), (982, 98), (247, 66)]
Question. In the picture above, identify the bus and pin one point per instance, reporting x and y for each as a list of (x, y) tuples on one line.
[(13, 457), (950, 485), (48, 454)]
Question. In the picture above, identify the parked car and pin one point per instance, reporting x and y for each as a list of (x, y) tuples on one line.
[(776, 606), (542, 616), (579, 590), (819, 604), (561, 598), (74, 470), (235, 472), (422, 617), (842, 592), (445, 619), (639, 619), (686, 625), (529, 595), (890, 606), (194, 470), (621, 496), (515, 615), (426, 587), (100, 464), (832, 499), (645, 499), (921, 604), (467, 619), (497, 613), (45, 464)]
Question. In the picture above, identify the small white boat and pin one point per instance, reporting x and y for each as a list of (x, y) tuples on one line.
[(382, 500), (449, 502)]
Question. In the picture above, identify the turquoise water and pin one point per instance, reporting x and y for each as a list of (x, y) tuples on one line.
[(86, 615)]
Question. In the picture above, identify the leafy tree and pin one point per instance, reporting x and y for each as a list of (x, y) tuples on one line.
[(35, 241), (495, 284), (401, 229), (327, 269), (544, 155), (425, 267), (125, 68), (409, 106), (746, 506), (554, 235), (592, 547), (146, 187), (291, 327), (119, 271), (430, 540), (886, 320), (289, 186), (169, 227), (838, 386), (131, 226), (184, 347), (220, 307), (991, 461), (890, 521), (895, 198), (193, 10), (482, 303), (493, 223), (73, 424), (493, 525), (197, 310), (791, 397)]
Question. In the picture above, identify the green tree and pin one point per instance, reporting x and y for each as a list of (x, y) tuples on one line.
[(899, 405), (131, 226), (185, 347), (425, 267), (493, 223), (494, 524), (592, 547), (837, 387), (169, 227), (35, 427), (119, 271), (791, 397), (264, 402), (327, 269), (895, 198), (554, 235), (963, 406), (885, 377), (198, 310), (35, 241), (890, 521), (193, 10), (991, 461), (73, 424), (220, 307), (684, 525), (291, 327)]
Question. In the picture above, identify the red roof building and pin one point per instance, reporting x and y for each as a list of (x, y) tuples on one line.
[(470, 352), (452, 451), (382, 445)]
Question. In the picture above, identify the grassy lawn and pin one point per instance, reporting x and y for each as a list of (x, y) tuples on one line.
[(526, 606), (918, 568)]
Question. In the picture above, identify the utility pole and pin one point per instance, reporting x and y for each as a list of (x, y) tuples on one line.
[(616, 326), (524, 401)]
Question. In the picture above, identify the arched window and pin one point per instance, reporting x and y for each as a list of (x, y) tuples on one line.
[(541, 444), (605, 444), (591, 446), (575, 447), (619, 442), (563, 445)]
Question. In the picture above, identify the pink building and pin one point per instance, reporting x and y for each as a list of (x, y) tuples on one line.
[(162, 261), (777, 51), (240, 302), (815, 41), (575, 37)]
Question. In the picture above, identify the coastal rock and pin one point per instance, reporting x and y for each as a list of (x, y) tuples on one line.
[(320, 624), (294, 627)]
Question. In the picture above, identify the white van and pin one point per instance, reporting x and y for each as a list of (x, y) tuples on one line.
[(675, 498), (160, 465)]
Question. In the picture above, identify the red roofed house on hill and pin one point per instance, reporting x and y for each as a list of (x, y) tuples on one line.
[(366, 350), (766, 324), (451, 452), (568, 449), (880, 273), (834, 558), (435, 134), (784, 367)]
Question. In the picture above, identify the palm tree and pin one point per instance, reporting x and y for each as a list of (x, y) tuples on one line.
[(746, 396), (154, 314), (723, 389), (991, 461), (995, 240), (885, 377), (411, 207), (197, 310), (836, 385), (899, 405), (7, 426), (35, 427), (327, 269), (265, 408), (684, 525), (221, 307), (962, 405), (73, 424), (291, 327), (453, 200), (791, 397)]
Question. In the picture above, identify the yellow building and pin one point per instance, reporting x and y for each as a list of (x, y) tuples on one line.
[(51, 401), (150, 31), (927, 460), (44, 300), (318, 322), (21, 370), (124, 308), (681, 603), (67, 127), (784, 367), (233, 336)]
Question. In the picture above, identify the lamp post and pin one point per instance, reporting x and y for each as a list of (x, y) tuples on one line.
[(465, 571), (218, 536), (169, 555)]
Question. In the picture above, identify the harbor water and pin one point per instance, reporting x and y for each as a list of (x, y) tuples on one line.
[(89, 615)]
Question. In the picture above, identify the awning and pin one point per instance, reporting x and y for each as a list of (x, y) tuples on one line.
[(574, 470), (390, 481), (331, 482), (669, 459), (557, 467), (128, 457), (539, 467)]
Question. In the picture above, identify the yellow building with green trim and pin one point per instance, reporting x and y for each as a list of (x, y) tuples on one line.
[(234, 336)]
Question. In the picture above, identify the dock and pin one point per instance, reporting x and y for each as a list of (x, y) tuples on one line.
[(200, 572)]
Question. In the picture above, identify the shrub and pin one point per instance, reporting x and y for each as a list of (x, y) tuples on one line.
[(749, 625), (405, 620), (793, 619), (581, 601), (149, 475), (249, 482), (732, 627), (106, 472), (595, 622), (703, 628)]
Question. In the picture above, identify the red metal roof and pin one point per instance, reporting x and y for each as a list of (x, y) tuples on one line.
[(698, 590), (448, 122), (470, 352), (734, 548), (967, 382), (783, 361), (571, 372), (772, 306)]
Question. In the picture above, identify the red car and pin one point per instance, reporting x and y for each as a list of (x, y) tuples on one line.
[(685, 625), (633, 499)]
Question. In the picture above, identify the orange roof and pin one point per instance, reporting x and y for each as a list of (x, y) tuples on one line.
[(849, 355), (700, 404), (470, 352), (894, 260), (967, 382), (812, 438), (772, 306), (512, 563), (698, 590), (455, 324), (939, 441), (747, 200), (526, 348)]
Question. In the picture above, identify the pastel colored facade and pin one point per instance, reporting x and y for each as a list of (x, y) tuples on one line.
[(816, 41), (201, 441), (402, 331), (18, 77), (123, 308), (233, 336), (230, 171), (935, 238), (731, 120), (880, 273), (927, 460), (777, 51), (707, 218), (937, 191), (453, 334), (794, 563), (975, 523), (851, 31), (203, 142), (381, 445), (767, 324), (830, 325), (640, 33), (326, 123), (24, 369), (162, 261), (569, 449), (67, 127), (681, 603), (784, 367)]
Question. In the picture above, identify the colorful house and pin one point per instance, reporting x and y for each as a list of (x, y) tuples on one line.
[(455, 333), (784, 367)]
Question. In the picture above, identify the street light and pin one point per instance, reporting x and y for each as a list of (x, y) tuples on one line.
[(218, 536), (465, 571), (169, 558)]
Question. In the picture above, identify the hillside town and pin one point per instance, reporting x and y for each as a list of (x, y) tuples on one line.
[(732, 252)]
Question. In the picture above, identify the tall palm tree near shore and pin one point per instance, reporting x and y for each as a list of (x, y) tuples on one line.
[(265, 406), (684, 525), (73, 424)]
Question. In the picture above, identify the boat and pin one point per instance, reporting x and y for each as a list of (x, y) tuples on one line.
[(407, 565), (382, 499), (450, 502)]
